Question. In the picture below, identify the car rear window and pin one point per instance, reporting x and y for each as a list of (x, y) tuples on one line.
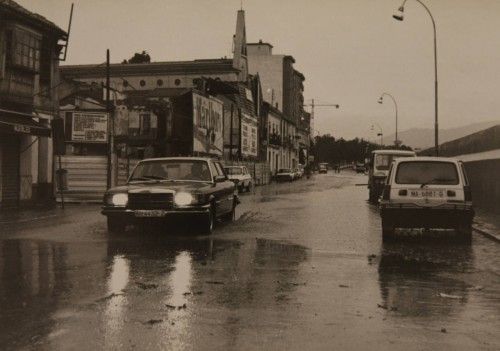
[(427, 172)]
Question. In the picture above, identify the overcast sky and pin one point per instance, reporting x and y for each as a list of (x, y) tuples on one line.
[(350, 51)]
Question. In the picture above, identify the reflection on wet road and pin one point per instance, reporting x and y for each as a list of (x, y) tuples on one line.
[(302, 267)]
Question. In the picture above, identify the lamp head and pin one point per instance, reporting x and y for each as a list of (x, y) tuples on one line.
[(400, 14), (380, 100)]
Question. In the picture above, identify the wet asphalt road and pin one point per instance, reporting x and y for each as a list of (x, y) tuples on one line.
[(302, 268)]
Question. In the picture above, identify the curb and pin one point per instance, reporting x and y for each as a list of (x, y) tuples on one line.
[(487, 234)]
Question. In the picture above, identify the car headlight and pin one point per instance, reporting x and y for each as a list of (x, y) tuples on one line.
[(118, 199), (183, 199)]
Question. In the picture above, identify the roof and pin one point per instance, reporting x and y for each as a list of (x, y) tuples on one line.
[(178, 159), (209, 66), (427, 159), (34, 18), (393, 152)]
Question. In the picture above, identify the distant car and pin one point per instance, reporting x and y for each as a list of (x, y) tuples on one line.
[(323, 168), (427, 192), (240, 176), (285, 175), (189, 187), (379, 165), (360, 167)]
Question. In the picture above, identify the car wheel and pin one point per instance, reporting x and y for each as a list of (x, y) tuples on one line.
[(207, 224), (464, 232), (116, 225), (387, 230), (372, 197), (228, 217)]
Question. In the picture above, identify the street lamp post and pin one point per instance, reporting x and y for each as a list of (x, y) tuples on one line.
[(380, 101), (400, 17)]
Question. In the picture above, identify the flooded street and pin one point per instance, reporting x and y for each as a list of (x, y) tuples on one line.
[(302, 267)]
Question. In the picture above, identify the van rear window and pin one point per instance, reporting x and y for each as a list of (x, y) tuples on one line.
[(427, 172)]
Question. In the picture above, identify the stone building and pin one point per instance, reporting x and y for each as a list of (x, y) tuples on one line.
[(30, 46)]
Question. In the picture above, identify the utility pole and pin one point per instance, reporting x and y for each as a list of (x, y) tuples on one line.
[(109, 180), (231, 133)]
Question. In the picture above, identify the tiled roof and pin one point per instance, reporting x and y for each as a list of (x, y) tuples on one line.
[(212, 66), (13, 6)]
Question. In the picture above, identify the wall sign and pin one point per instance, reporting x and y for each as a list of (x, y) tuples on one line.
[(89, 127), (207, 125), (248, 136)]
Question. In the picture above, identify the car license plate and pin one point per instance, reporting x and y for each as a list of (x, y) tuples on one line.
[(428, 193), (150, 213)]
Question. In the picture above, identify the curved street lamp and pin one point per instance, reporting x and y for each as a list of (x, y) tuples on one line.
[(400, 16), (380, 101)]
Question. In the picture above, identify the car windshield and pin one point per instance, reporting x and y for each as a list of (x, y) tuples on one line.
[(233, 170), (427, 172), (172, 170), (285, 170), (383, 162)]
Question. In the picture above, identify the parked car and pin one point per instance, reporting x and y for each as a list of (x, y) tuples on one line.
[(240, 176), (427, 192), (285, 174), (323, 168), (189, 187), (378, 169), (360, 167)]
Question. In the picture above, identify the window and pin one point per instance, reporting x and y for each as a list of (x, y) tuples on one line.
[(220, 170), (125, 83), (142, 82), (159, 82), (427, 172), (25, 47), (177, 81)]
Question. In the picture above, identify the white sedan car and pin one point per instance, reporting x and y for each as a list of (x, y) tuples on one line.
[(240, 176)]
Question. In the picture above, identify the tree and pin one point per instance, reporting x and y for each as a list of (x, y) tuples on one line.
[(142, 57)]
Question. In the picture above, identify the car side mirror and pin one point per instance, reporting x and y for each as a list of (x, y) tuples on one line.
[(219, 178)]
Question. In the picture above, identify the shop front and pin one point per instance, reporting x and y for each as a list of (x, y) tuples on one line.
[(23, 143)]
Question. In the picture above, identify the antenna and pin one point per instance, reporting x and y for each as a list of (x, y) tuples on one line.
[(65, 45)]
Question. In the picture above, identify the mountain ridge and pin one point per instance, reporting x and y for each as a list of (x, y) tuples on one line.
[(423, 138)]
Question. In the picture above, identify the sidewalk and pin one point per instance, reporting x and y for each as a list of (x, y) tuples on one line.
[(488, 224), (14, 216)]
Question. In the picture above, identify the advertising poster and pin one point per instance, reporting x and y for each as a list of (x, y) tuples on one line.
[(89, 127), (248, 136), (207, 125)]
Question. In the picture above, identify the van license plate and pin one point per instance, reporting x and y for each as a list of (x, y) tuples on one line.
[(150, 213), (428, 193)]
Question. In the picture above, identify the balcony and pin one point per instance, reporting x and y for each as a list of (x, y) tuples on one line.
[(274, 139), (17, 87)]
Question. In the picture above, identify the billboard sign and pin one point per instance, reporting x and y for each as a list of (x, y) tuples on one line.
[(207, 125), (248, 136), (89, 127)]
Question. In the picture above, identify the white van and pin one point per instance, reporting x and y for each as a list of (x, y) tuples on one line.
[(380, 162), (427, 192)]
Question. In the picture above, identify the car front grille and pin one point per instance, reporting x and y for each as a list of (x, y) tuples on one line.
[(150, 201)]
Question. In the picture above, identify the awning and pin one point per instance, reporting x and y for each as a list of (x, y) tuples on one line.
[(22, 123)]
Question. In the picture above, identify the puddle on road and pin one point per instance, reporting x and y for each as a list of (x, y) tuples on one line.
[(136, 278), (417, 279)]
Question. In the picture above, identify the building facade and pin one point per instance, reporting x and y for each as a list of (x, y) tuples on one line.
[(283, 88), (29, 61)]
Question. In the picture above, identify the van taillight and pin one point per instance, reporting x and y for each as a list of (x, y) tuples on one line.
[(467, 193), (386, 195)]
